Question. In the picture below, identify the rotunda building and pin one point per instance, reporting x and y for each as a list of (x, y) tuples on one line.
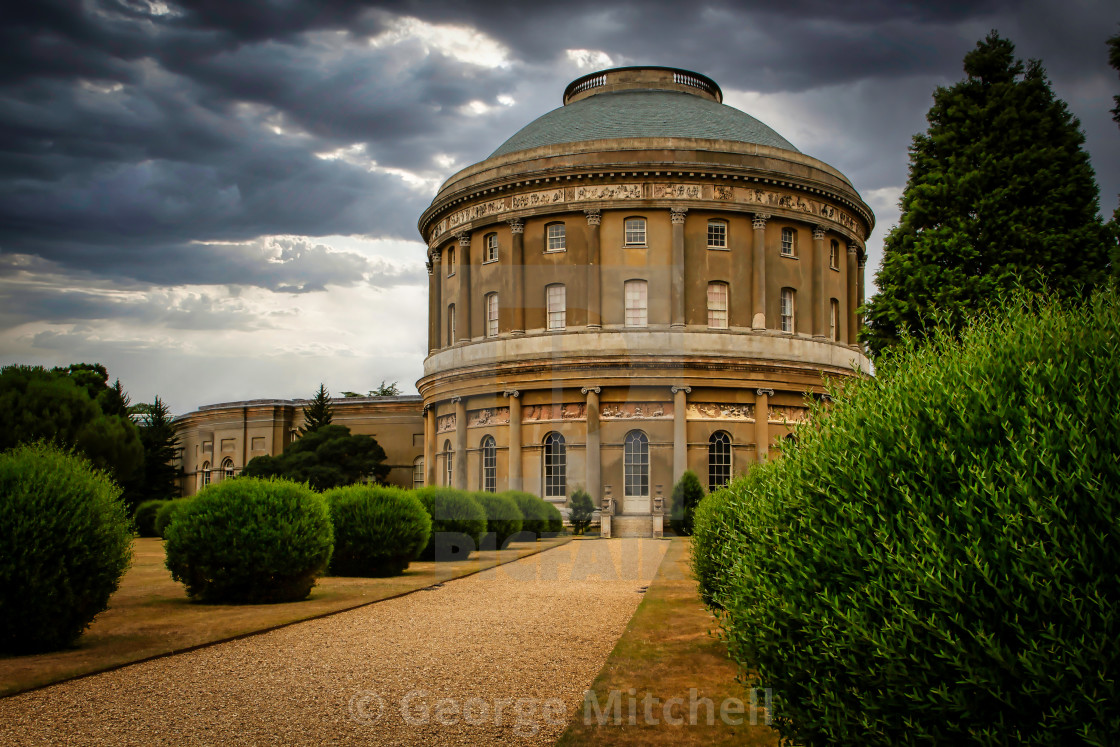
[(640, 282)]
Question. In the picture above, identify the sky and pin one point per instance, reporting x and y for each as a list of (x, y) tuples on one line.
[(218, 200)]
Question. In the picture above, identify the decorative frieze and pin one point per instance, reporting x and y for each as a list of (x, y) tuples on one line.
[(636, 411), (566, 411), (488, 416), (445, 423), (516, 225), (787, 414), (720, 411)]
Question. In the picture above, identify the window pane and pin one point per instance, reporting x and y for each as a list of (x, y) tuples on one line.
[(555, 466), (492, 315), (418, 473), (787, 310), (448, 459), (719, 460), (635, 293), (717, 234), (787, 242), (834, 315), (636, 465), (491, 247), (557, 306), (636, 231), (557, 237), (489, 464), (450, 262), (717, 305), (451, 324)]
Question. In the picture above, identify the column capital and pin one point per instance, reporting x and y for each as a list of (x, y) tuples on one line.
[(767, 392), (853, 249), (456, 399), (594, 216), (511, 393), (464, 239), (759, 220), (862, 262), (586, 389), (678, 214), (428, 265), (818, 233), (516, 225), (436, 255), (685, 389), (427, 406)]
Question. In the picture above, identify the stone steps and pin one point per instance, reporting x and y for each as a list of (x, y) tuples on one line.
[(632, 526)]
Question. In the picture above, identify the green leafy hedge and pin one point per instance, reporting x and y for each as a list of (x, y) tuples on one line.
[(936, 562), (458, 523), (144, 517), (503, 517), (687, 494), (250, 540), (538, 518), (65, 542), (166, 513), (378, 530)]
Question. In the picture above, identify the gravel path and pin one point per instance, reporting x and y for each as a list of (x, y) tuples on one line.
[(502, 656)]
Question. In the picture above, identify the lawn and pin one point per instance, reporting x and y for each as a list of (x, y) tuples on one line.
[(666, 652), (150, 614)]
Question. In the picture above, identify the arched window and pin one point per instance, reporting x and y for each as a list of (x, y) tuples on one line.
[(834, 255), (450, 261), (205, 474), (418, 473), (448, 462), (227, 468), (490, 242), (635, 230), (556, 301), (491, 314), (719, 460), (717, 234), (787, 309), (450, 324), (834, 320), (636, 296), (636, 465), (489, 464), (555, 466), (556, 238), (789, 242), (717, 305)]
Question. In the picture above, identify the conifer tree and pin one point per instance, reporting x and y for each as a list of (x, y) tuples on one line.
[(1000, 194), (159, 434), (318, 412)]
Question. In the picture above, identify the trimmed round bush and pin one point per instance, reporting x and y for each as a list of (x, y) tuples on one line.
[(144, 517), (251, 541), (65, 542), (555, 519), (940, 562), (534, 510), (378, 530), (458, 522), (503, 517), (687, 494), (166, 514)]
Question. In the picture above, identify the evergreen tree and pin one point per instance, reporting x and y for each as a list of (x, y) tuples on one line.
[(159, 434), (325, 458), (1114, 60), (318, 412), (583, 511), (687, 494), (1000, 194)]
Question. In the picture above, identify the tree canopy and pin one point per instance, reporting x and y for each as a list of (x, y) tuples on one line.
[(159, 434), (318, 412), (1000, 194), (326, 457)]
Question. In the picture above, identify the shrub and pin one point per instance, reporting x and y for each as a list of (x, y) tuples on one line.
[(940, 565), (250, 541), (144, 518), (583, 510), (458, 522), (686, 496), (65, 542), (503, 517), (166, 514), (378, 530), (555, 521), (534, 510)]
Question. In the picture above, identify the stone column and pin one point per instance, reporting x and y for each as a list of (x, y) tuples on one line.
[(859, 297), (435, 308), (459, 468), (594, 272), (677, 281), (594, 463), (463, 300), (680, 431), (514, 438), (517, 275), (430, 447), (762, 423), (853, 301), (819, 301), (758, 287)]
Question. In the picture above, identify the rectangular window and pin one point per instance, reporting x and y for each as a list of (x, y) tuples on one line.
[(451, 325), (717, 234), (787, 309), (635, 232), (834, 255), (557, 305), (789, 243), (557, 238), (491, 247), (635, 293), (492, 315), (834, 316), (717, 305), (418, 473), (450, 261)]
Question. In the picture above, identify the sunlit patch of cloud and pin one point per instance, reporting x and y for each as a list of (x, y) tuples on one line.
[(589, 59), (357, 154), (461, 43)]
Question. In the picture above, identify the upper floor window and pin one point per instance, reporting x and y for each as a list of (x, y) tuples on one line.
[(227, 468), (489, 464), (556, 237), (834, 320), (451, 324), (450, 261), (491, 314), (635, 293), (448, 462), (787, 309), (490, 242), (635, 231), (717, 305), (418, 473), (834, 255), (557, 306), (555, 466), (789, 242), (717, 234)]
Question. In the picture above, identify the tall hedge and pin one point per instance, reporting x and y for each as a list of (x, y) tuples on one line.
[(378, 530), (250, 540), (458, 522), (166, 514), (65, 542), (940, 562), (503, 517)]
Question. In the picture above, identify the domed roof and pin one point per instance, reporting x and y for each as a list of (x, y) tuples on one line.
[(641, 110)]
